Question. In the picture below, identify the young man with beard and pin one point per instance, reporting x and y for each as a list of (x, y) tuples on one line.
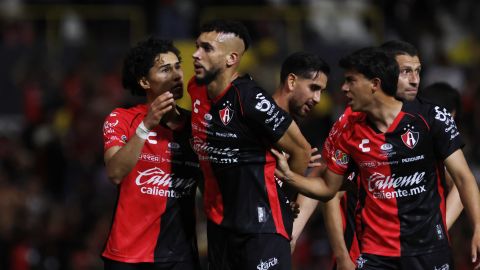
[(339, 213), (148, 156), (235, 123), (399, 150)]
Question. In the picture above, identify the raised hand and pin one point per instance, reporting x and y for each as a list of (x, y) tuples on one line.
[(158, 108)]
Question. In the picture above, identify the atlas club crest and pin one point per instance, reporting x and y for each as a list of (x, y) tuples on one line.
[(226, 115), (410, 138)]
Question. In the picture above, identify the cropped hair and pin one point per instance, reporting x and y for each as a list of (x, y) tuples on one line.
[(398, 47), (303, 64), (226, 26), (374, 63), (140, 59), (443, 94)]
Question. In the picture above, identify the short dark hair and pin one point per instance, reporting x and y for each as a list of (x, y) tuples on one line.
[(224, 26), (374, 63), (140, 59), (398, 47), (443, 94), (303, 64)]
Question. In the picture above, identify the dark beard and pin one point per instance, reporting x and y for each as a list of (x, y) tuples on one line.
[(209, 77)]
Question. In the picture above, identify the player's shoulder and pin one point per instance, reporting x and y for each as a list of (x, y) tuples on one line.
[(424, 108), (246, 85), (127, 113), (349, 119)]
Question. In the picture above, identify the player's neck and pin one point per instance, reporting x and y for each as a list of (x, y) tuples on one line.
[(383, 112), (217, 86), (280, 97)]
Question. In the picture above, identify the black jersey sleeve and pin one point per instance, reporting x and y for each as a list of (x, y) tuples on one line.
[(261, 111), (446, 137)]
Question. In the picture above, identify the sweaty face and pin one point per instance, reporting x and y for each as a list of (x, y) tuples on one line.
[(166, 75), (409, 78), (209, 58), (306, 93), (357, 89)]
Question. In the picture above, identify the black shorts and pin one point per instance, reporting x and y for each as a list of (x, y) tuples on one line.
[(440, 260), (232, 251), (116, 265)]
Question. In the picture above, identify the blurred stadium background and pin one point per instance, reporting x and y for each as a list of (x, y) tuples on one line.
[(59, 78)]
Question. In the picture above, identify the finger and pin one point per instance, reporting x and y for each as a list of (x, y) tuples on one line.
[(276, 153), (314, 164), (314, 149), (316, 157)]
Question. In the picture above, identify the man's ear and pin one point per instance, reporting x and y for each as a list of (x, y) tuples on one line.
[(143, 82), (232, 59), (291, 81), (376, 84)]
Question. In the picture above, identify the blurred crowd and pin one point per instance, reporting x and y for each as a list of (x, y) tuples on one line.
[(58, 83)]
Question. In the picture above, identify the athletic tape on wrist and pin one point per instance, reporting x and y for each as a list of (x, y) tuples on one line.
[(142, 131)]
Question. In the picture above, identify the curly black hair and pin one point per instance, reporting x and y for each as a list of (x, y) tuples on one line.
[(225, 26), (140, 59)]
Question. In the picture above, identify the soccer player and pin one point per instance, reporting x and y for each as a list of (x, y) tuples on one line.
[(234, 124), (399, 150), (148, 156), (339, 213)]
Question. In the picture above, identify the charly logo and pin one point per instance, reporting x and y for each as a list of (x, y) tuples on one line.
[(265, 265), (363, 145), (443, 267)]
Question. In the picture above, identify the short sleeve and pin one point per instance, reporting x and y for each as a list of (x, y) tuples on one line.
[(115, 130), (270, 120), (446, 137)]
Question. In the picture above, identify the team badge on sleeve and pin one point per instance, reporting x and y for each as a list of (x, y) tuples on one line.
[(341, 158)]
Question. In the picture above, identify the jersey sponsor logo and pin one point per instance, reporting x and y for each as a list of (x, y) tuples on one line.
[(264, 104), (341, 158), (226, 115), (155, 181), (173, 146), (367, 164), (201, 129), (410, 138), (386, 147), (363, 146), (108, 127), (149, 157), (412, 159), (447, 119), (379, 183), (226, 135), (207, 117), (214, 154), (265, 265)]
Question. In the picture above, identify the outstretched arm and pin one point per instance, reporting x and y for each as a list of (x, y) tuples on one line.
[(322, 188)]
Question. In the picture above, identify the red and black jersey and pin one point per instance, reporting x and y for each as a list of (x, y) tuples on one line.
[(348, 202), (154, 216), (232, 135), (402, 182)]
